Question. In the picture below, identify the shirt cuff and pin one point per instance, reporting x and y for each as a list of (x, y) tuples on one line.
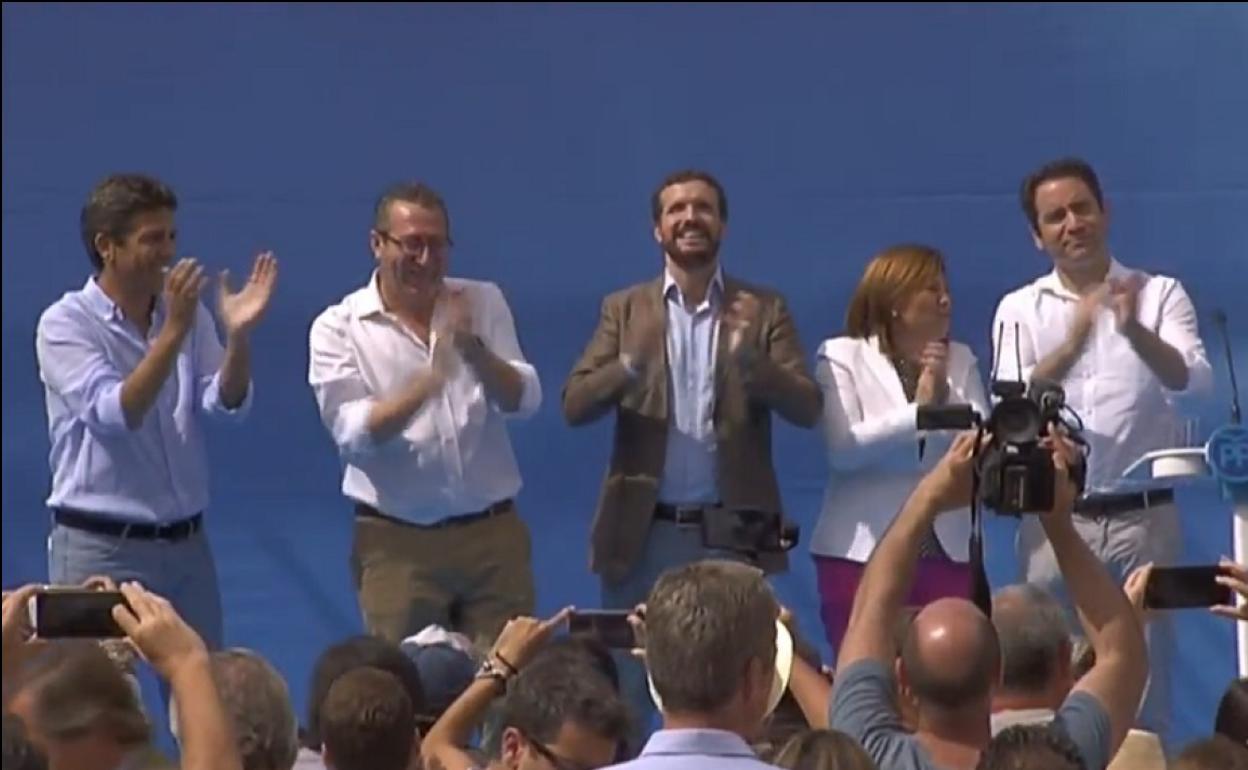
[(531, 390), (214, 405), (108, 415)]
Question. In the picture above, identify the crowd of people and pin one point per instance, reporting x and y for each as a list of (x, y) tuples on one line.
[(416, 375)]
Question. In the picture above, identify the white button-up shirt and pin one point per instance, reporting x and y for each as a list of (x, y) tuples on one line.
[(1126, 411), (454, 456)]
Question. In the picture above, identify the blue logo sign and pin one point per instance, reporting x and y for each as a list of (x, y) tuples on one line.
[(1227, 454)]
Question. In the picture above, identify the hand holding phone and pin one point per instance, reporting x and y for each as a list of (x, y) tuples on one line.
[(75, 613), (1173, 588), (611, 627)]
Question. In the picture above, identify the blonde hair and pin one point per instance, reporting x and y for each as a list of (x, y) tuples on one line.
[(892, 275)]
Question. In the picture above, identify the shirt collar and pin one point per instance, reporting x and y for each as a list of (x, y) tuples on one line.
[(367, 301), (104, 306), (697, 741), (1052, 282), (717, 283)]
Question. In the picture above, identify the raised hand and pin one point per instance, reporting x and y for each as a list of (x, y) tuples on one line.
[(523, 636), (241, 310), (160, 635), (644, 345), (1235, 577), (183, 284), (948, 485), (1124, 300), (741, 321), (933, 380)]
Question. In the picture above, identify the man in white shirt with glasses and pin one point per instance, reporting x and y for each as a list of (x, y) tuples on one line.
[(1125, 346), (415, 375)]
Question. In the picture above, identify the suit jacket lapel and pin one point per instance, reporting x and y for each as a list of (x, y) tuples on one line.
[(884, 372), (659, 376), (722, 355)]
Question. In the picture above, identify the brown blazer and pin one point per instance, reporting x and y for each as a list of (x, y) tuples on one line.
[(747, 479)]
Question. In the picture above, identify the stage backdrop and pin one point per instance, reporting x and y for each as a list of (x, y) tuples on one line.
[(837, 130)]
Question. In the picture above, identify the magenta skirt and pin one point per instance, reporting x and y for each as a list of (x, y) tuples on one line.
[(838, 581)]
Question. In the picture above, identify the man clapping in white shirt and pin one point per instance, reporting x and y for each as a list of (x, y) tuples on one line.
[(414, 375), (1125, 346)]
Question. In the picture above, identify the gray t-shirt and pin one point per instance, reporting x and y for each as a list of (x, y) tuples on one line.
[(862, 708)]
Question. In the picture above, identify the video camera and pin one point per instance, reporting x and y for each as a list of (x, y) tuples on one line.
[(1015, 469)]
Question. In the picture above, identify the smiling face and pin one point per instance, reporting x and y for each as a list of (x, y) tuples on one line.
[(412, 251), (690, 223), (138, 256)]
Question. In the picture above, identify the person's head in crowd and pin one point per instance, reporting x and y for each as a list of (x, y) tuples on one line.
[(257, 701), (19, 752), (1232, 716), (368, 723), (822, 750), (1215, 753), (1036, 665), (950, 665), (447, 667), (560, 713), (906, 707), (711, 646), (1030, 747), (352, 653), (585, 648), (903, 299), (78, 707)]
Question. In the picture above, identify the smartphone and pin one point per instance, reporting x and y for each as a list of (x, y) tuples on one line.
[(611, 627), (1173, 588), (75, 613)]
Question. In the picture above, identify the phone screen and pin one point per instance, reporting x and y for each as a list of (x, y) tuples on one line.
[(1171, 588), (611, 627), (77, 614)]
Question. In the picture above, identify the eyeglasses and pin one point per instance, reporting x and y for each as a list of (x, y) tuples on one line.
[(557, 762), (418, 244)]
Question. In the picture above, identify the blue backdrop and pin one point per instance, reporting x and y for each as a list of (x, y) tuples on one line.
[(836, 129)]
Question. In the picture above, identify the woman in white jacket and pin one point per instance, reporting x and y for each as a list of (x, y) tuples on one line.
[(894, 357)]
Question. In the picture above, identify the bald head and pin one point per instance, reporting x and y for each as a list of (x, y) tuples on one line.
[(951, 657)]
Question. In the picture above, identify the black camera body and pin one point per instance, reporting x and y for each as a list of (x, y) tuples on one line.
[(749, 532), (1016, 470)]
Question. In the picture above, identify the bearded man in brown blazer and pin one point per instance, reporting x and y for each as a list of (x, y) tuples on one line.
[(692, 363)]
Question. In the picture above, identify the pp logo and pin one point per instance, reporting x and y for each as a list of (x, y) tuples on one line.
[(1227, 454)]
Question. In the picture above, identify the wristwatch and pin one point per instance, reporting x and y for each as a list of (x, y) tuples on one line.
[(492, 669)]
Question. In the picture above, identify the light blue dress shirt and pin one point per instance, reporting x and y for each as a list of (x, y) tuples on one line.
[(156, 472), (689, 468), (692, 749)]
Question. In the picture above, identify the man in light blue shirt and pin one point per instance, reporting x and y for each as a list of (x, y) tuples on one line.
[(130, 363), (710, 644)]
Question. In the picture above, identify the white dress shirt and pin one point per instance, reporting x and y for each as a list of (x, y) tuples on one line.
[(1126, 411), (454, 456), (871, 432)]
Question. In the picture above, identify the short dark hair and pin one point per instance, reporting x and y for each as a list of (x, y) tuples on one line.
[(704, 623), (1232, 718), (1062, 168), (19, 752), (586, 649), (553, 691), (688, 175), (357, 652), (415, 193), (368, 721), (1031, 627), (1215, 753), (1031, 747), (113, 205)]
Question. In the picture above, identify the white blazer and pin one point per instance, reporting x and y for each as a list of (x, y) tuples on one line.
[(872, 439)]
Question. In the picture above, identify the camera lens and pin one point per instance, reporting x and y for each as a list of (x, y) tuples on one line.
[(1016, 422)]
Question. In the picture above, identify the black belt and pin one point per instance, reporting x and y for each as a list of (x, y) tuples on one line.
[(501, 507), (1107, 505), (681, 514), (90, 522)]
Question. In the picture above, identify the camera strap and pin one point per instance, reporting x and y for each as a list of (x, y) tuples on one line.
[(981, 591)]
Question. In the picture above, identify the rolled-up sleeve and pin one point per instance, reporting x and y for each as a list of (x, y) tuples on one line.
[(208, 358), (1179, 329), (342, 396), (500, 336), (73, 365)]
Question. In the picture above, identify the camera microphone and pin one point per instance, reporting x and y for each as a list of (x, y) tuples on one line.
[(1219, 320)]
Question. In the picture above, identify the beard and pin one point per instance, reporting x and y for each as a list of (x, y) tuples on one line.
[(691, 256)]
